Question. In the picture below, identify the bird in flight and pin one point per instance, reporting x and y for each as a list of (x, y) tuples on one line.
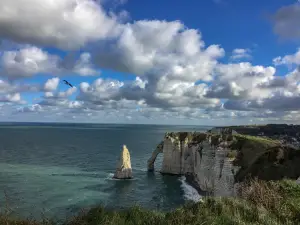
[(67, 83)]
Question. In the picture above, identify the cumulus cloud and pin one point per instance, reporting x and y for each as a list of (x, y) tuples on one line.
[(241, 81), (15, 97), (30, 109), (279, 101), (240, 53), (100, 91), (293, 59), (275, 82), (66, 24), (168, 57), (159, 47), (168, 94), (9, 87), (59, 98), (293, 78), (26, 62), (51, 84), (286, 22), (176, 74), (83, 66)]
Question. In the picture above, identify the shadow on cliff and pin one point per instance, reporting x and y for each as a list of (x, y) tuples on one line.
[(275, 164)]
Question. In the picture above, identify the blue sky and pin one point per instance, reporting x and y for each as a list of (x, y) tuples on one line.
[(123, 55), (229, 23)]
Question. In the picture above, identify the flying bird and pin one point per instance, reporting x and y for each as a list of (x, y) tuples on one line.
[(67, 83)]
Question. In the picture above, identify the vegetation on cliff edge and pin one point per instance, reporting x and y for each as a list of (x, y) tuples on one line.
[(259, 202)]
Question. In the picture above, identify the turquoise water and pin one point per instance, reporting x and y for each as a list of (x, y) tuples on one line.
[(60, 169)]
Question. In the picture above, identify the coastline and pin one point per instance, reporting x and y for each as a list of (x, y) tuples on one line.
[(190, 179), (252, 146)]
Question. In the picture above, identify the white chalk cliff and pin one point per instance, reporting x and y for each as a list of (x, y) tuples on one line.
[(197, 154), (217, 160), (124, 170)]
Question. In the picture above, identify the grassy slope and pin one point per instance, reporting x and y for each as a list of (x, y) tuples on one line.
[(260, 202)]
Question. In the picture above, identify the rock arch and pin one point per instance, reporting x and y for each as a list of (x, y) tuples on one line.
[(151, 161)]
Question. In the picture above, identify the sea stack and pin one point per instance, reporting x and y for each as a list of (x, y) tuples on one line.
[(124, 170)]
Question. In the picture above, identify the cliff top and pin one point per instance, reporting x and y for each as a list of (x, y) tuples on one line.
[(263, 141), (267, 129), (197, 137)]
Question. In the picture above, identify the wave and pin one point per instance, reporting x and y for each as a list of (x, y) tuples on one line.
[(110, 176), (190, 193)]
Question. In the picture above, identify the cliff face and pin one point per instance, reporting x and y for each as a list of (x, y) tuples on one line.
[(175, 150), (202, 156), (124, 170), (221, 157)]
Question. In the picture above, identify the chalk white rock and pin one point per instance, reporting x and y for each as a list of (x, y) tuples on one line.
[(124, 170), (202, 160)]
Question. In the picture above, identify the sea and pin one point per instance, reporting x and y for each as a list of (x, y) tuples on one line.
[(55, 170)]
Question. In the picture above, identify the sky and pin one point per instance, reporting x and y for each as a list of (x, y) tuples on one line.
[(208, 62)]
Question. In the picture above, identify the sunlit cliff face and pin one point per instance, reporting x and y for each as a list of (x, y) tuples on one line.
[(221, 157)]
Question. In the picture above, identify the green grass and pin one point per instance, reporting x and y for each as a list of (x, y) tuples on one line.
[(261, 140), (232, 154), (259, 202)]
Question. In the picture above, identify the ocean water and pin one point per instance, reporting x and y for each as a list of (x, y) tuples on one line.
[(56, 170)]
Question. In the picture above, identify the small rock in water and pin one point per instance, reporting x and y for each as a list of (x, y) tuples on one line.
[(124, 170)]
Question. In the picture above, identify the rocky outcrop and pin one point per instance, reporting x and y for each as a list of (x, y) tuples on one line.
[(205, 157), (177, 154), (124, 170)]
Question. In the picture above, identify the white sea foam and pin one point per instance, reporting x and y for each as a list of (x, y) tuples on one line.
[(190, 193), (110, 176)]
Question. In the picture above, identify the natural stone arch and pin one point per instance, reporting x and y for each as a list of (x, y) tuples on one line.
[(151, 161)]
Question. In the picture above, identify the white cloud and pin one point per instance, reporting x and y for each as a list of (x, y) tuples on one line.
[(160, 47), (51, 84), (61, 23), (99, 91), (27, 62), (84, 67), (241, 81), (15, 97), (9, 87), (30, 109), (288, 59), (278, 101), (60, 95), (177, 76), (240, 53)]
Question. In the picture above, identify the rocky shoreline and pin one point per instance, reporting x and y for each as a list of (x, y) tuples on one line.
[(256, 151)]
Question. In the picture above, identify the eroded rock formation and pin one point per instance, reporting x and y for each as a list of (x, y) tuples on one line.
[(124, 170), (159, 149), (205, 157)]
